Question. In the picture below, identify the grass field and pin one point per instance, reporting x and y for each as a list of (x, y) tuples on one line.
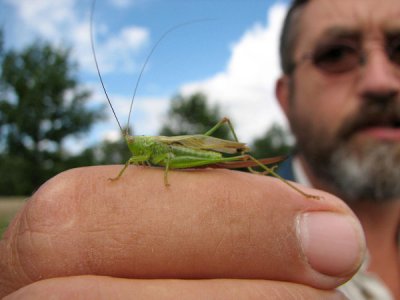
[(9, 206)]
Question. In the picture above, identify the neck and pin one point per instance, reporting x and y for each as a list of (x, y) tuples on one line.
[(381, 224)]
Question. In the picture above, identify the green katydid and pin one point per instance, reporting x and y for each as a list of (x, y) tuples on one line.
[(186, 151)]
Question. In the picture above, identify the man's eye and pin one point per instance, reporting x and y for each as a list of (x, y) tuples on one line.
[(394, 51), (335, 53), (336, 58)]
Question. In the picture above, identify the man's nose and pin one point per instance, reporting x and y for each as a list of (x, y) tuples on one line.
[(379, 77)]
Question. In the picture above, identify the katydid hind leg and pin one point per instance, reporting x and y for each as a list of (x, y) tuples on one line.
[(219, 124), (272, 172), (273, 168)]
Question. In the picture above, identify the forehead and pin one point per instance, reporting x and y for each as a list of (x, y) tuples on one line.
[(368, 17)]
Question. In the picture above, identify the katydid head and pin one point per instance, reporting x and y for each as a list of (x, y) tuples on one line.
[(140, 145), (132, 145), (129, 139)]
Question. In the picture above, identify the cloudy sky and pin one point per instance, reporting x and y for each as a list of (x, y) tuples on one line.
[(232, 56)]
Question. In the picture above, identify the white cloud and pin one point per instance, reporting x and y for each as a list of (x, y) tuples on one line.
[(62, 23), (44, 17), (245, 90), (147, 114), (145, 119), (116, 52), (47, 19), (111, 136)]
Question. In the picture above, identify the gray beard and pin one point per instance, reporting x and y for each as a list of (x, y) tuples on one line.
[(356, 170), (369, 174)]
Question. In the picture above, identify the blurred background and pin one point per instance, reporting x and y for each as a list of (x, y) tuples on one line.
[(54, 115)]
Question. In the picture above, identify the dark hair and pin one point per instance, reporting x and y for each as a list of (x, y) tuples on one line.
[(289, 34)]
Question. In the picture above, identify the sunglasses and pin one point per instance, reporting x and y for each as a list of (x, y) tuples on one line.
[(345, 56)]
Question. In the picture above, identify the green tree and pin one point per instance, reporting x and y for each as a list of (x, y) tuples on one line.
[(112, 152), (193, 115), (275, 141), (41, 103)]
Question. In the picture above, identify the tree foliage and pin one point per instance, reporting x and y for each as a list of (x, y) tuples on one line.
[(275, 141), (192, 115), (111, 152), (41, 104)]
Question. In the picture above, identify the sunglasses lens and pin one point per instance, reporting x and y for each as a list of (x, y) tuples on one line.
[(394, 51), (338, 58)]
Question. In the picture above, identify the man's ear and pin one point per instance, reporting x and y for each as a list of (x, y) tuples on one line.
[(282, 93)]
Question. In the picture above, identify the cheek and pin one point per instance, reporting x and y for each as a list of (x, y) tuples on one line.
[(324, 104)]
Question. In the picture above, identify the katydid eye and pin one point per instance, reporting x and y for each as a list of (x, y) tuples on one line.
[(336, 58)]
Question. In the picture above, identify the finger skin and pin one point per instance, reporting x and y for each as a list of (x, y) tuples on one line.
[(100, 287), (207, 224)]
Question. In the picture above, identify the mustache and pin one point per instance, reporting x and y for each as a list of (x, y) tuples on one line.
[(372, 114)]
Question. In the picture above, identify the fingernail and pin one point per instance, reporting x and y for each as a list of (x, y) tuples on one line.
[(333, 244)]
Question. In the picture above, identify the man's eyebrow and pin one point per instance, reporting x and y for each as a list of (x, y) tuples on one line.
[(340, 32), (391, 26), (392, 32)]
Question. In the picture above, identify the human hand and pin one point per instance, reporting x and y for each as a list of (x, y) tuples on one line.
[(236, 235)]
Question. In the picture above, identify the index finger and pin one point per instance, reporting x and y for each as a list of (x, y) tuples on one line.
[(207, 224)]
